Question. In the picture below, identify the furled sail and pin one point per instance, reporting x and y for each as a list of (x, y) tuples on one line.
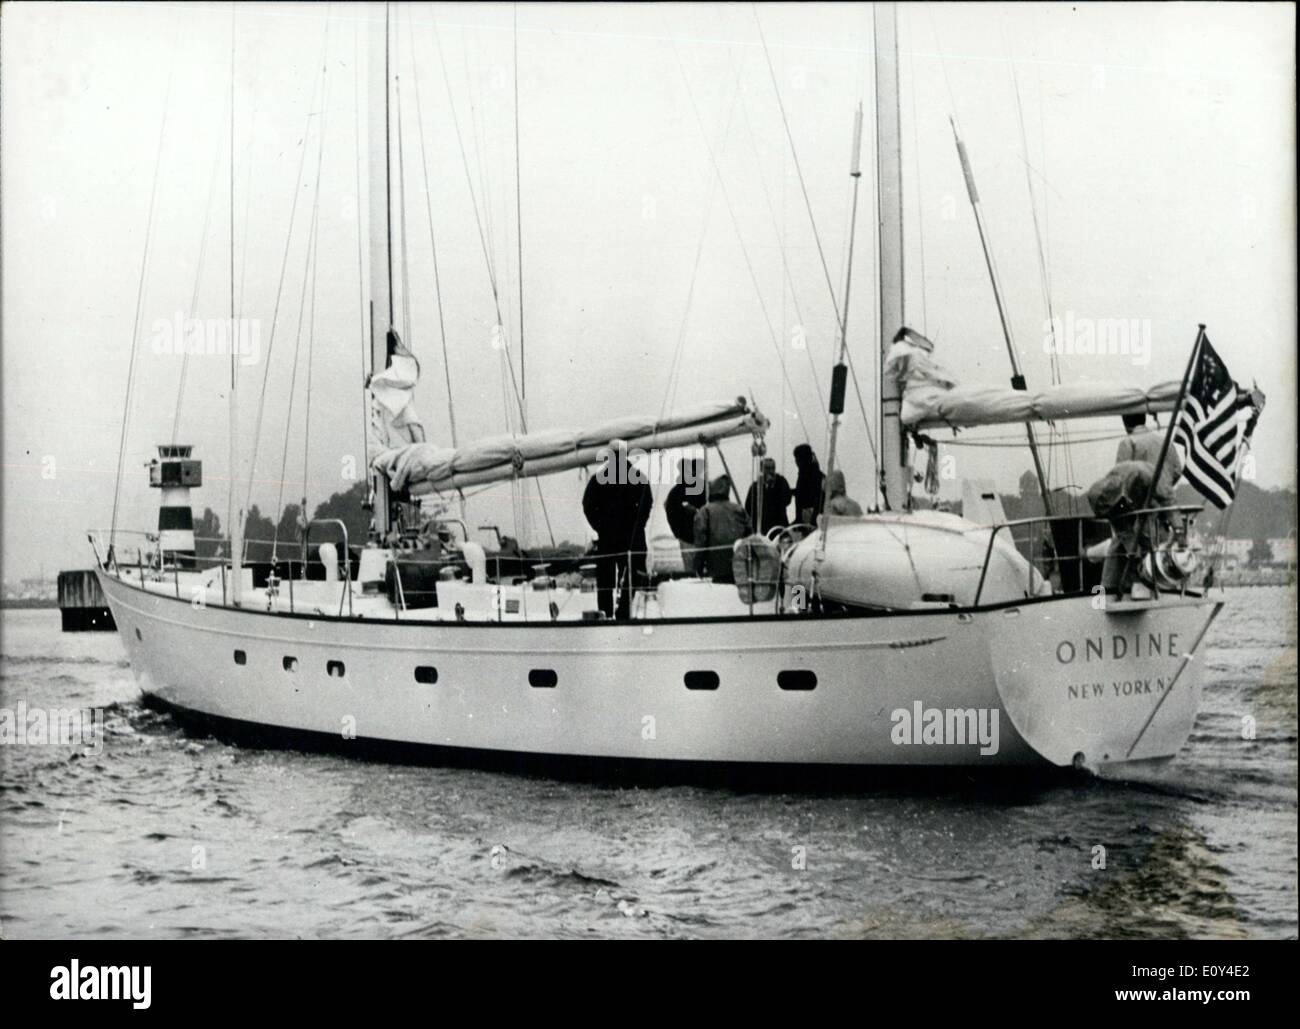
[(933, 399), (426, 468), (393, 421)]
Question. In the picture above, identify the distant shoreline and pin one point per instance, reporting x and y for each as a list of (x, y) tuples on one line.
[(29, 603)]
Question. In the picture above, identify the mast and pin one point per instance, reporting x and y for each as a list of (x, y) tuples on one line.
[(236, 527), (894, 472), (381, 242)]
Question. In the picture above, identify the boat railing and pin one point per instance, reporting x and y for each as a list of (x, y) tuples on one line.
[(1028, 537)]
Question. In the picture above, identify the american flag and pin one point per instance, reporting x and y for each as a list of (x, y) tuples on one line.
[(1214, 425)]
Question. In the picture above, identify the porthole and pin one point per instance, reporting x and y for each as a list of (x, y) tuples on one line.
[(334, 669), (241, 658), (701, 680), (797, 679), (290, 664), (426, 674), (542, 679)]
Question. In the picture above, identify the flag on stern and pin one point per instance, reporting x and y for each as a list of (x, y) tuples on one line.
[(1213, 427)]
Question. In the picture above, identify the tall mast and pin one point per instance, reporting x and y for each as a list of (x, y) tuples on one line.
[(381, 242), (235, 528), (894, 473)]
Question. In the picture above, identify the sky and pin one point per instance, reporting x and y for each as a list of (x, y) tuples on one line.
[(668, 256)]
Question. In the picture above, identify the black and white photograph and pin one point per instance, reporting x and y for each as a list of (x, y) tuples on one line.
[(555, 471)]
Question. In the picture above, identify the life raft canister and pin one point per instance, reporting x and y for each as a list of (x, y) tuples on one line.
[(756, 567)]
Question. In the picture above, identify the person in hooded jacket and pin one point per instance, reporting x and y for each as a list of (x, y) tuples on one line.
[(808, 486), (718, 525), (838, 502)]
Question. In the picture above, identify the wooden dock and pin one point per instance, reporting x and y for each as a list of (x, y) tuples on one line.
[(82, 603)]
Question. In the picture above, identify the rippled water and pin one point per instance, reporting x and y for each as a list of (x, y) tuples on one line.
[(160, 834)]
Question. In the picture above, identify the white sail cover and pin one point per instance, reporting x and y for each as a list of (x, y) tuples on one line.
[(426, 468), (933, 399), (393, 421)]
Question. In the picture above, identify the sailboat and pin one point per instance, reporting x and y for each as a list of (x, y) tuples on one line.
[(898, 637)]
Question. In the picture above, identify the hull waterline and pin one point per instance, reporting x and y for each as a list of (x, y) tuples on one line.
[(934, 688)]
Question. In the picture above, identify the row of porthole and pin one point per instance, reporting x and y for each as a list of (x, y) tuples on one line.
[(547, 679)]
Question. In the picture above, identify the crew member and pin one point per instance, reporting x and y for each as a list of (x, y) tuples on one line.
[(617, 503), (838, 502), (684, 500), (776, 499), (1125, 489), (718, 524), (808, 486)]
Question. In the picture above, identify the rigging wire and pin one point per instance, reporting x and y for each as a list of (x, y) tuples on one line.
[(485, 233), (794, 153), (284, 264), (308, 283), (433, 242), (785, 263), (478, 214), (519, 223), (198, 281), (675, 365), (735, 221), (139, 297), (361, 272), (407, 331)]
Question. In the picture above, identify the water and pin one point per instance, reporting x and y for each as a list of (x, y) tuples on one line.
[(160, 834)]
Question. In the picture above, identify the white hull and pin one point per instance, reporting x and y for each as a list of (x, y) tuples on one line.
[(620, 691)]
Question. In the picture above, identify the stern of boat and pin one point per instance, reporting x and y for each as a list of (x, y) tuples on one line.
[(1090, 683)]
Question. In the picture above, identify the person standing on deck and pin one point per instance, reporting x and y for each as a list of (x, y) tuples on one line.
[(684, 500), (718, 525), (776, 499), (808, 487), (617, 503)]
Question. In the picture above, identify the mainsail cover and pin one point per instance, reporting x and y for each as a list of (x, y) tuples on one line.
[(933, 399), (426, 467)]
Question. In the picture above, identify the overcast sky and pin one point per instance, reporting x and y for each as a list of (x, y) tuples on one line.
[(1160, 139)]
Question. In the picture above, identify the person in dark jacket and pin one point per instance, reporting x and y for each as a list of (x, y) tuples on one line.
[(684, 500), (776, 499), (808, 487), (617, 503), (718, 524)]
